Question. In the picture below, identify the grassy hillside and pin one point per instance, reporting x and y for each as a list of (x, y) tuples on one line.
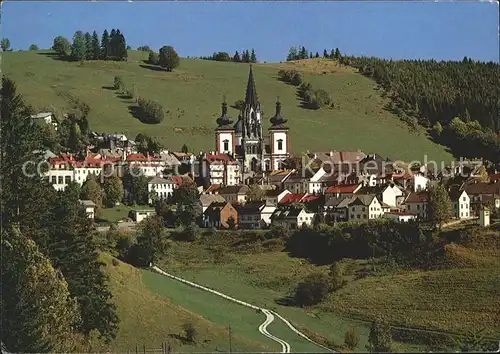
[(453, 300), (150, 319), (192, 94)]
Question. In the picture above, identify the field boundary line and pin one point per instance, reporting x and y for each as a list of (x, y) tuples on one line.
[(295, 330)]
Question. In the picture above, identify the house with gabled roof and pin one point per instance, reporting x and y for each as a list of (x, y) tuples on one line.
[(274, 196), (418, 203), (341, 191), (234, 194), (390, 195), (250, 215), (293, 217), (460, 201), (483, 193), (364, 207), (220, 215), (207, 199)]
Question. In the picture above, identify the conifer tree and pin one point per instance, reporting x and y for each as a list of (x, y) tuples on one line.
[(89, 50), (325, 54), (337, 54), (303, 53), (120, 46), (20, 149), (112, 44), (96, 46), (79, 47), (317, 55), (253, 57), (73, 250), (310, 55), (236, 57), (37, 312), (105, 45)]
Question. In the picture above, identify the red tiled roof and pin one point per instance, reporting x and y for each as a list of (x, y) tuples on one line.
[(349, 188), (483, 188), (212, 188), (142, 157), (494, 177), (292, 198), (91, 161), (309, 198), (178, 180), (417, 197)]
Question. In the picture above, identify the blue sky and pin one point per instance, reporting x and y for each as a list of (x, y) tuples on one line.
[(404, 29)]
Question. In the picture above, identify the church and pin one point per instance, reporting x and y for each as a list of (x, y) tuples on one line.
[(245, 139)]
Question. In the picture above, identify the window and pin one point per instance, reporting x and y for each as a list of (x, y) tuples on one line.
[(363, 209), (67, 179), (418, 206), (280, 144), (59, 179), (364, 216), (359, 216), (353, 209), (54, 179), (226, 145), (409, 207)]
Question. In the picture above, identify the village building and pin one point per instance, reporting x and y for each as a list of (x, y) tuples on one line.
[(160, 188), (220, 215), (234, 194), (293, 217), (45, 118), (220, 169), (148, 165), (250, 215), (460, 201), (365, 207), (89, 208), (400, 216), (207, 199), (274, 196), (417, 203)]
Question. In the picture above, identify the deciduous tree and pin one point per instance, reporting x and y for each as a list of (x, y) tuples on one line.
[(61, 46), (379, 339), (168, 58), (5, 44), (113, 190), (33, 47), (440, 206), (79, 46)]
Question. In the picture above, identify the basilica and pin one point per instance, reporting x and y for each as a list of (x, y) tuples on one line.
[(245, 139)]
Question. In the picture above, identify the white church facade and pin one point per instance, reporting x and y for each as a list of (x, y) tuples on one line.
[(245, 139)]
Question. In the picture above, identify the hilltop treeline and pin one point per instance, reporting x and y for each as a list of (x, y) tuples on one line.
[(300, 52), (245, 57), (111, 46), (437, 92)]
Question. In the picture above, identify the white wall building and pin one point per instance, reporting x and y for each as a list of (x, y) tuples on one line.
[(163, 188)]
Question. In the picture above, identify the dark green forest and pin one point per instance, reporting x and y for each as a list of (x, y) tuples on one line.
[(436, 93)]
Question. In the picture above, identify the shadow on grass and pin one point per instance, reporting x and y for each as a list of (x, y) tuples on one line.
[(110, 88), (180, 338), (152, 67), (57, 56), (286, 301), (124, 96), (134, 111), (303, 103)]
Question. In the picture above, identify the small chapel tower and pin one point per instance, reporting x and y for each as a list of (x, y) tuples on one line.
[(279, 139), (225, 140)]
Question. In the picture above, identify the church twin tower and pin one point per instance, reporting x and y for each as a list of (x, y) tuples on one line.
[(245, 139)]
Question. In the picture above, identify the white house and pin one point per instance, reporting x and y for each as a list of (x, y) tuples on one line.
[(364, 207), (274, 196), (419, 182), (390, 195), (461, 204), (293, 217), (45, 117), (89, 208), (314, 184), (141, 214), (221, 169), (162, 187), (149, 165), (400, 216)]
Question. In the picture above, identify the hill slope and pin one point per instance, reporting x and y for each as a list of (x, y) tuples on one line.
[(192, 95)]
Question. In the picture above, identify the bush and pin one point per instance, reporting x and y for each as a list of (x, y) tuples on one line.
[(153, 58), (190, 332), (115, 262), (150, 112), (351, 339), (312, 290), (337, 275), (118, 83), (296, 79), (380, 337)]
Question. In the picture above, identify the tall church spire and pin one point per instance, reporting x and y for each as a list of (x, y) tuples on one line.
[(251, 94)]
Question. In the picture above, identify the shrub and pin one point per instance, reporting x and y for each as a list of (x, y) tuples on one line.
[(150, 112), (115, 262), (239, 104), (296, 79), (337, 275), (153, 58), (351, 339), (312, 290), (190, 332), (118, 83), (380, 337)]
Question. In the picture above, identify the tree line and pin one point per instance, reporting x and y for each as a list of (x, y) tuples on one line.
[(300, 52), (86, 46), (245, 57), (438, 92), (55, 295)]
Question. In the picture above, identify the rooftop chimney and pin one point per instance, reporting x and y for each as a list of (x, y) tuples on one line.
[(331, 153)]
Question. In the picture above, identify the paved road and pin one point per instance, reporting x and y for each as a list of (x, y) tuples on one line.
[(270, 315)]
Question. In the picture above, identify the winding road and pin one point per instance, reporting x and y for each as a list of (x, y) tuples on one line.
[(270, 315)]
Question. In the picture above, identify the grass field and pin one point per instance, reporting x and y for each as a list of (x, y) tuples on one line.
[(452, 300), (117, 213), (192, 94), (150, 318)]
